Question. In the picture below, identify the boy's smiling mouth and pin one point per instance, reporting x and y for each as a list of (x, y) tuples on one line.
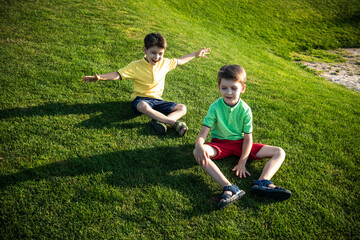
[(154, 61)]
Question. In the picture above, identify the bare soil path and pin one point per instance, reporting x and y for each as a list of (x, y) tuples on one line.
[(346, 73)]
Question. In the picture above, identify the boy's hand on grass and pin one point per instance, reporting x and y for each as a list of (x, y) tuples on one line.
[(203, 52), (240, 170), (89, 79)]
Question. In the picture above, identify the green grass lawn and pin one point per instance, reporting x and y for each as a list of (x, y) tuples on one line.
[(76, 163)]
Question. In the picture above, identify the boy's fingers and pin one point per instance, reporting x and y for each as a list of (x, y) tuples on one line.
[(87, 79), (204, 51), (203, 162)]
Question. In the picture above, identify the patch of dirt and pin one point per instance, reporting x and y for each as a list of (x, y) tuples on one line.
[(346, 73)]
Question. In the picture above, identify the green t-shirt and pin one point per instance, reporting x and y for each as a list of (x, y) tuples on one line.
[(228, 122)]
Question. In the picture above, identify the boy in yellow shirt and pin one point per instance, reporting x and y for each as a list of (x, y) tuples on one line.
[(148, 75)]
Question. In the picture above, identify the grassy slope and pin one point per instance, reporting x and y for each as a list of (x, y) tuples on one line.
[(75, 162)]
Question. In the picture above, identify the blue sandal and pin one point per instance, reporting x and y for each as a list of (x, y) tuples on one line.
[(262, 188), (227, 199)]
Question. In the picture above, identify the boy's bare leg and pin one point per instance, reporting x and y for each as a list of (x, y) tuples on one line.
[(179, 111), (145, 109), (216, 174), (213, 170), (276, 155)]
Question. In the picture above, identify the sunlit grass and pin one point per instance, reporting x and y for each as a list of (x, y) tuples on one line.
[(75, 162)]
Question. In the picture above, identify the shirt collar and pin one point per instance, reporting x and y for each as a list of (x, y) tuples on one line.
[(232, 108), (147, 63)]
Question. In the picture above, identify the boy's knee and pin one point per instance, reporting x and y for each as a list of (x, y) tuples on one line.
[(142, 106), (181, 108), (280, 152)]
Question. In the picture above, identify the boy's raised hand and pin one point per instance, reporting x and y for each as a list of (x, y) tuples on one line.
[(186, 58), (203, 52), (89, 79)]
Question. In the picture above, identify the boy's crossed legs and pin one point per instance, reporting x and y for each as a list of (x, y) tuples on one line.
[(163, 112)]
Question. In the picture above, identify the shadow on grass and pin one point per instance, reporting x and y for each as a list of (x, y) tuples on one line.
[(104, 115), (109, 112), (133, 169)]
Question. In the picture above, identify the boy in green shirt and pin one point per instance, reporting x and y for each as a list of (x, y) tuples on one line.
[(230, 121), (148, 75)]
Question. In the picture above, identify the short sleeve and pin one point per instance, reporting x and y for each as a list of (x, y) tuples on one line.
[(171, 63), (210, 118), (128, 72), (247, 124)]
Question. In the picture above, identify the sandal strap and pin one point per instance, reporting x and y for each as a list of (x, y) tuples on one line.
[(159, 127), (179, 126), (262, 183), (225, 196), (227, 199), (233, 188), (182, 125)]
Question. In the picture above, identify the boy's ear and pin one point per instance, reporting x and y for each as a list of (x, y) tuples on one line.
[(144, 49), (243, 88)]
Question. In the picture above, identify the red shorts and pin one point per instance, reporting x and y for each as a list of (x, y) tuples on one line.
[(228, 148)]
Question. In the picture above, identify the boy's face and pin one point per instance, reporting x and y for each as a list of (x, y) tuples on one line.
[(153, 54), (230, 91)]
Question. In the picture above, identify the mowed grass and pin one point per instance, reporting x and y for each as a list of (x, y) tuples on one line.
[(76, 163)]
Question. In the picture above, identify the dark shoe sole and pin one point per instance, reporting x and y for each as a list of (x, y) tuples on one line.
[(272, 193)]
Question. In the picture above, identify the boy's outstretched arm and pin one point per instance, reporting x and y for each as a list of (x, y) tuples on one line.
[(240, 168), (200, 153), (102, 77), (186, 58)]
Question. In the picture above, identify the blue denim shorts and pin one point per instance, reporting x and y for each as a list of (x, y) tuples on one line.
[(157, 104)]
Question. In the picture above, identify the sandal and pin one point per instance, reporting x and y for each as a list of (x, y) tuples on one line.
[(227, 199), (159, 127), (262, 188), (181, 128)]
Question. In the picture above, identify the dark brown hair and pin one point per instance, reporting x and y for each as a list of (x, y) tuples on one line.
[(154, 39), (232, 72)]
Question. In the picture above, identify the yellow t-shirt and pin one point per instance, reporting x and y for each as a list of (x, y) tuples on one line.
[(148, 80)]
